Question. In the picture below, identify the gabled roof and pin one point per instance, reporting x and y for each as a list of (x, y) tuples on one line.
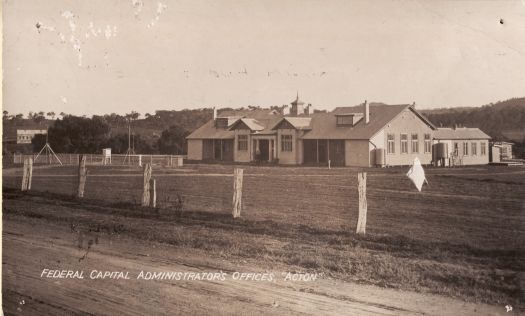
[(324, 125), (252, 124), (300, 123), (259, 120), (249, 113), (460, 133), (209, 131), (316, 126)]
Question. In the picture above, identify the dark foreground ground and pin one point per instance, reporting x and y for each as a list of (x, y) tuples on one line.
[(459, 242)]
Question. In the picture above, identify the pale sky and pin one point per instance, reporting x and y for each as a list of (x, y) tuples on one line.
[(103, 56)]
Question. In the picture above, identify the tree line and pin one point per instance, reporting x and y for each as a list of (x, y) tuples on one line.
[(503, 121), (75, 134)]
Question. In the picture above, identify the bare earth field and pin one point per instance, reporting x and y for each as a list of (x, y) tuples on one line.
[(456, 248)]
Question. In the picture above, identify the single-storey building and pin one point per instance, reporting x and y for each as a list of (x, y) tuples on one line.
[(24, 136), (460, 146), (501, 151), (365, 135)]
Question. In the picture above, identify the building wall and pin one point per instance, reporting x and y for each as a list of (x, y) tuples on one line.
[(207, 149), (406, 123), (300, 148), (288, 157), (357, 153), (377, 142), (495, 154), (24, 136), (461, 158), (195, 149), (469, 158), (506, 151), (242, 155)]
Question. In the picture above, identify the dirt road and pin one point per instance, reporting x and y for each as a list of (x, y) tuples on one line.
[(31, 245)]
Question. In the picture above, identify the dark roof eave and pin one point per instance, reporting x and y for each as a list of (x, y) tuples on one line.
[(202, 138)]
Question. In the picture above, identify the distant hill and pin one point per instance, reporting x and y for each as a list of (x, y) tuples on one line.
[(150, 128), (10, 127), (503, 120)]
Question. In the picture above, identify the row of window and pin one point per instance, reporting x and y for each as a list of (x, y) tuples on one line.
[(473, 149), (286, 142), (414, 143)]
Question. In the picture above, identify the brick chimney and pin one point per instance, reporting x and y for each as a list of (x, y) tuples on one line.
[(285, 110), (308, 110), (367, 112), (214, 113)]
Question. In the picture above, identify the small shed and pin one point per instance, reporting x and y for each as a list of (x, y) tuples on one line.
[(505, 150)]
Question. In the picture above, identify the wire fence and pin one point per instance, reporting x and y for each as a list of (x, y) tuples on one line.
[(459, 209), (100, 159)]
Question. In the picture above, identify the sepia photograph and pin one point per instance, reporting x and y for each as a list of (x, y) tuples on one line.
[(263, 157)]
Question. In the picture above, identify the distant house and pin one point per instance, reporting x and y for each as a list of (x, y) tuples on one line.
[(365, 135), (503, 150), (24, 136), (460, 146)]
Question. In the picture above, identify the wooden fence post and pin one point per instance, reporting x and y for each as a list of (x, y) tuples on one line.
[(147, 178), (152, 193), (361, 187), (237, 192), (27, 174), (24, 176), (82, 173), (30, 171)]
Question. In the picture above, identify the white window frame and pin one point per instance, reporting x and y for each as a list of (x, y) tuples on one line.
[(404, 143), (391, 143), (428, 144), (286, 143), (242, 144), (414, 143), (483, 148)]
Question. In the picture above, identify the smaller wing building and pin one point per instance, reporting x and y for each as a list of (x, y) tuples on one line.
[(461, 146)]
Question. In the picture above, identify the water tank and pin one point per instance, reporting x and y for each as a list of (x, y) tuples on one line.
[(380, 157), (441, 150)]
